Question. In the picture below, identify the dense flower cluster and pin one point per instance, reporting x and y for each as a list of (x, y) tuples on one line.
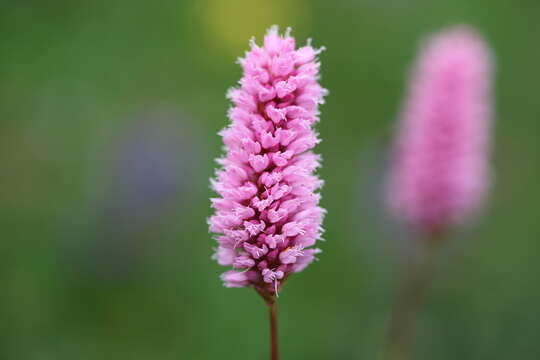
[(267, 216), (440, 167)]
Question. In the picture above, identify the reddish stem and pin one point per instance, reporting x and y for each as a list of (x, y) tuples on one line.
[(274, 350), (270, 300)]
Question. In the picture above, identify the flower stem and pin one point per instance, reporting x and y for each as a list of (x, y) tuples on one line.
[(411, 296), (272, 312)]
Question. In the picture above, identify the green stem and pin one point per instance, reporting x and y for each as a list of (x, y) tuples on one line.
[(411, 296)]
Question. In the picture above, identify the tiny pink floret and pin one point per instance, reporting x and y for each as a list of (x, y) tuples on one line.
[(267, 215), (440, 170)]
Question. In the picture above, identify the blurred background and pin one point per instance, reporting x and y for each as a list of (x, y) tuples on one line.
[(109, 113)]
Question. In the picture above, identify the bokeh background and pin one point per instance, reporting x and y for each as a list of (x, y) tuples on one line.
[(109, 113)]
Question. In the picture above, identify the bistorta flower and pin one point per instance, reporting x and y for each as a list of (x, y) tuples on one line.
[(440, 171), (267, 217)]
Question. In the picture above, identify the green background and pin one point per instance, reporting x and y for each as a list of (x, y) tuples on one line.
[(109, 113)]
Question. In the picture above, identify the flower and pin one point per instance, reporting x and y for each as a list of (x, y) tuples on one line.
[(440, 170), (267, 215)]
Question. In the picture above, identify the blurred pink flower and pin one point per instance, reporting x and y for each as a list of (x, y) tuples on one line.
[(440, 171), (267, 212)]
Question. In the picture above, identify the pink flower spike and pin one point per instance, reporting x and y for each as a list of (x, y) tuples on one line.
[(267, 185), (440, 170)]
